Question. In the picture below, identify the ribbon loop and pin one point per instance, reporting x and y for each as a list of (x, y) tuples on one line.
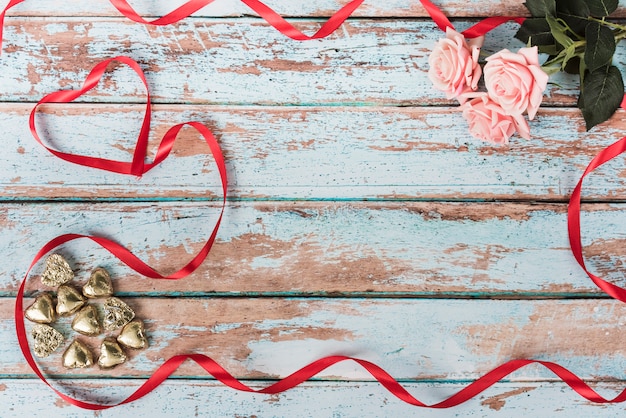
[(573, 215), (137, 166)]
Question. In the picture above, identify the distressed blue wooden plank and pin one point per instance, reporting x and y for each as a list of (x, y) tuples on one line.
[(437, 339), (315, 399), (403, 248), (308, 153), (235, 8), (367, 62)]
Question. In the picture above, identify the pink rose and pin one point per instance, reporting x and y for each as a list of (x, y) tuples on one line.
[(516, 81), (488, 121), (454, 64)]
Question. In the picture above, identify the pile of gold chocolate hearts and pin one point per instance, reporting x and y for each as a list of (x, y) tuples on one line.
[(115, 315)]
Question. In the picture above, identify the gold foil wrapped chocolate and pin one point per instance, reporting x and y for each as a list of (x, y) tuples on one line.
[(69, 300), (116, 314), (42, 310), (111, 354), (99, 284), (86, 321), (57, 271), (78, 356), (47, 340), (133, 335)]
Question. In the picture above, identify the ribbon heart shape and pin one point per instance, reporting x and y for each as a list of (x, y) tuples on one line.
[(137, 167)]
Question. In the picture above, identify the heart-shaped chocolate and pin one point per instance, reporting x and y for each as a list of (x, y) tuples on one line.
[(86, 321), (99, 284), (116, 314), (47, 340), (111, 354), (42, 310), (133, 335), (57, 271), (77, 355), (69, 300)]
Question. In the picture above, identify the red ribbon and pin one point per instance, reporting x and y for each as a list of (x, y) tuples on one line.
[(573, 215), (2, 15), (192, 6), (294, 379), (138, 166), (267, 13)]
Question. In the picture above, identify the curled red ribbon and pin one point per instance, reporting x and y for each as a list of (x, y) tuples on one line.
[(138, 166), (573, 215), (267, 13), (284, 27), (294, 379), (2, 15), (192, 6), (479, 29)]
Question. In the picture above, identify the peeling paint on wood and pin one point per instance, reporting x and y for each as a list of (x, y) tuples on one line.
[(368, 62), (313, 399), (265, 338), (401, 248), (308, 153), (497, 402)]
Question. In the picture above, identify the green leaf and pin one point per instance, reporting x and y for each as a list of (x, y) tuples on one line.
[(570, 52), (601, 94), (541, 8), (600, 46), (577, 8), (574, 13), (572, 66), (558, 31), (535, 31), (582, 70), (601, 8)]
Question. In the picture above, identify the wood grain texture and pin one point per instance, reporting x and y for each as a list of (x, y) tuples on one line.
[(300, 248), (440, 340), (220, 61), (313, 399), (308, 153)]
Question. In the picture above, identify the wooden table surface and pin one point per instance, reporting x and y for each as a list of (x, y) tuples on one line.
[(362, 219)]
